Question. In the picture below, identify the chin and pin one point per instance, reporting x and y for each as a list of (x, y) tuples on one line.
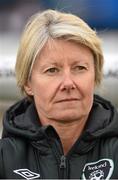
[(69, 117)]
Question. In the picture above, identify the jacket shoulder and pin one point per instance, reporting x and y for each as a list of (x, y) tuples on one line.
[(11, 149), (4, 144), (12, 145)]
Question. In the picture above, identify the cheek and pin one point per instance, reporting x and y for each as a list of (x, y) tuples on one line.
[(88, 85), (41, 98), (40, 92), (43, 92), (87, 93)]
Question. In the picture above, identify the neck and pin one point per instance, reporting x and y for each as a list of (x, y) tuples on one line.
[(68, 132)]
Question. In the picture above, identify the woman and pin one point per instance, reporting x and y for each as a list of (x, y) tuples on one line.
[(61, 129)]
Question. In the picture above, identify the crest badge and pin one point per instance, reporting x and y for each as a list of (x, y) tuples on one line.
[(98, 170)]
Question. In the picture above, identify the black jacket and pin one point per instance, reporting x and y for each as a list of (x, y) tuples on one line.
[(31, 151)]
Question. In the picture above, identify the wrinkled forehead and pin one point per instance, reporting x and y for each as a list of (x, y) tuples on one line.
[(60, 45), (62, 51), (51, 45)]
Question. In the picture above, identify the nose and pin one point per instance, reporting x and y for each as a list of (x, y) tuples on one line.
[(67, 82)]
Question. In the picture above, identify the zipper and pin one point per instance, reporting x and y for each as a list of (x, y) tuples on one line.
[(63, 162), (61, 159), (63, 167)]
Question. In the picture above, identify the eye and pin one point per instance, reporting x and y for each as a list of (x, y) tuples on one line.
[(80, 68), (52, 70)]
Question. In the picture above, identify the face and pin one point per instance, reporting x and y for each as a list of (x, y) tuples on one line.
[(62, 81)]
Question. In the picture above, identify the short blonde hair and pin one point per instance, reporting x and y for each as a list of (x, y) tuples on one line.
[(54, 24)]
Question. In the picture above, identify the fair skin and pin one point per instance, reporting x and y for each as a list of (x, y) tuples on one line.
[(62, 84)]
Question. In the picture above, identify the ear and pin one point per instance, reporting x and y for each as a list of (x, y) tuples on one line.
[(28, 88)]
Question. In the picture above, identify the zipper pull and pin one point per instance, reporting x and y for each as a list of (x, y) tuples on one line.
[(63, 162)]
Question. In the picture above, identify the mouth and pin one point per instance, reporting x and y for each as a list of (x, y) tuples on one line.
[(67, 100)]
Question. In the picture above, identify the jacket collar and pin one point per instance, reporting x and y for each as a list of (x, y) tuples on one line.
[(22, 120)]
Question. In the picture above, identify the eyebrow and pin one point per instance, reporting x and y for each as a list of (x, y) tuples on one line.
[(60, 63), (49, 64)]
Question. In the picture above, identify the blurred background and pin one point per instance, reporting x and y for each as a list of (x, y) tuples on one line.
[(101, 15)]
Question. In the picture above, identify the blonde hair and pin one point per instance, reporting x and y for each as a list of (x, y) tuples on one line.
[(52, 24)]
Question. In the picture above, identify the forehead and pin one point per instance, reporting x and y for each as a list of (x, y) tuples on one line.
[(60, 50)]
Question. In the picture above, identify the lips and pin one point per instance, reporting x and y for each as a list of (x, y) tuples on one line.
[(67, 100)]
